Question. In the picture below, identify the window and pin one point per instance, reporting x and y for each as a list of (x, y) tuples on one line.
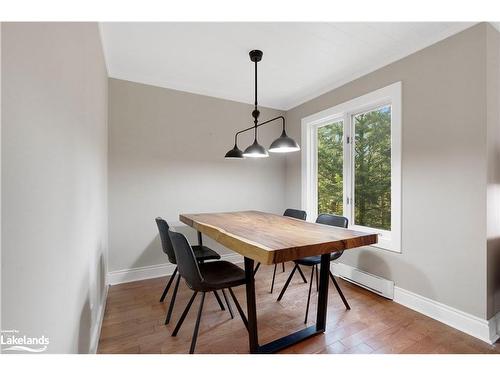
[(351, 164)]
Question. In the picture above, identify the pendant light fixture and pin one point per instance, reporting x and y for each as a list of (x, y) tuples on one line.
[(281, 145)]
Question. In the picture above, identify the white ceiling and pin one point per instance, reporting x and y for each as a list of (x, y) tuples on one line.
[(301, 60)]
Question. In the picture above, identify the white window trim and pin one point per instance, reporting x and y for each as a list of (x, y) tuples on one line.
[(388, 240)]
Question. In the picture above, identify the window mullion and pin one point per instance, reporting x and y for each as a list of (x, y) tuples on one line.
[(347, 167), (315, 169)]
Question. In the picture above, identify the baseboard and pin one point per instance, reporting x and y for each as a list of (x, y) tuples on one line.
[(140, 273), (496, 323), (159, 270), (485, 330), (96, 332)]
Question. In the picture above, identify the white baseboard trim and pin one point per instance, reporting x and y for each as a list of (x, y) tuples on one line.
[(495, 322), (140, 273), (485, 330), (96, 332), (159, 270)]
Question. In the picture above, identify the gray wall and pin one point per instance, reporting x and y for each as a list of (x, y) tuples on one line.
[(443, 170), (166, 157), (54, 151), (493, 178)]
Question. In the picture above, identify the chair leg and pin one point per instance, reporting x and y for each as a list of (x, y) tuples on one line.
[(238, 307), (256, 268), (228, 304), (274, 275), (172, 301), (184, 314), (283, 266), (301, 274), (287, 282), (197, 325), (165, 291), (219, 300), (313, 268), (317, 278), (340, 291)]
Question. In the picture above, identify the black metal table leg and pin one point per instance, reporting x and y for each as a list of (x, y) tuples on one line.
[(296, 337), (323, 293), (253, 336)]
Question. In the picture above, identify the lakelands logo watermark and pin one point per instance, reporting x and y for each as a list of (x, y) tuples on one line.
[(12, 340)]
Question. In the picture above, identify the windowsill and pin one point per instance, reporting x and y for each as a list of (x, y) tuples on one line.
[(385, 238), (385, 244), (388, 247)]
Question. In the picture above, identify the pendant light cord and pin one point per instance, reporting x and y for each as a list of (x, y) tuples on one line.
[(255, 103)]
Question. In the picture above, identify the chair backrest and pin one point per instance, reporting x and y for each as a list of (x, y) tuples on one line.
[(166, 244), (333, 220), (297, 214), (186, 260)]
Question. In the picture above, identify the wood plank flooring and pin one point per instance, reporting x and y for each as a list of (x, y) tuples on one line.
[(133, 322)]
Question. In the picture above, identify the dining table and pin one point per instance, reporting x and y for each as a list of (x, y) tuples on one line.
[(269, 239)]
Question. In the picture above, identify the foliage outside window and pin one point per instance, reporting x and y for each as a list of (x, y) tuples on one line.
[(330, 168), (372, 168)]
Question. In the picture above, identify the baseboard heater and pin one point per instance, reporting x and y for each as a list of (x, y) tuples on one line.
[(364, 279)]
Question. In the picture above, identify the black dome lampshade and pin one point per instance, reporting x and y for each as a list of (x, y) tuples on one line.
[(284, 144), (234, 153), (255, 151)]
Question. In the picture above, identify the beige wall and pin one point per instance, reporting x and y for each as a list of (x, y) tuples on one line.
[(54, 152), (444, 170), (493, 178), (166, 157)]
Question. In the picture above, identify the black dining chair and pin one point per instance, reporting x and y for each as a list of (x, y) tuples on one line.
[(313, 261), (202, 253), (203, 278), (297, 214)]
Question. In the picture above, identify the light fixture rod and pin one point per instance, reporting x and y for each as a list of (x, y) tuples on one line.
[(255, 102), (256, 111), (257, 125)]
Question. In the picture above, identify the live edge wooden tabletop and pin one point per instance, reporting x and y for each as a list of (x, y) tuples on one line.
[(270, 238)]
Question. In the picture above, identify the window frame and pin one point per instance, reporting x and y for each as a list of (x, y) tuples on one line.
[(345, 112)]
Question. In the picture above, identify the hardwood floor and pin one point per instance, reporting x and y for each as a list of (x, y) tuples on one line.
[(133, 322)]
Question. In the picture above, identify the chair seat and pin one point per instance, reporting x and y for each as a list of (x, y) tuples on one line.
[(221, 275), (309, 261), (204, 253), (316, 259)]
